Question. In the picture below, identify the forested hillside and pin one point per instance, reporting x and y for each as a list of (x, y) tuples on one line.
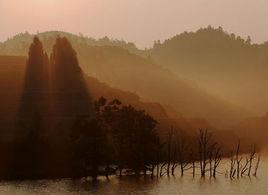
[(223, 63)]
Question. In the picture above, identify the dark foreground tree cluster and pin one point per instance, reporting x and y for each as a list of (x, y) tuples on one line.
[(117, 135), (124, 141)]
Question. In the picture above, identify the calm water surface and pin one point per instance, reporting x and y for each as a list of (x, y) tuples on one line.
[(131, 185)]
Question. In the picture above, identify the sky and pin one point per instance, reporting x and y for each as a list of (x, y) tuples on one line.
[(139, 21)]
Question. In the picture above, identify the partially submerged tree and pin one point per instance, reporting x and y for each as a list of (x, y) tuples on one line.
[(169, 147), (236, 163), (203, 146), (183, 154), (209, 153)]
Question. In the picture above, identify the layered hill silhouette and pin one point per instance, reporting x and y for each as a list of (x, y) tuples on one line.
[(123, 69), (57, 90), (221, 62), (56, 129)]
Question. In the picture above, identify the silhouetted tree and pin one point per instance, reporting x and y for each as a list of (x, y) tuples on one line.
[(257, 165), (169, 149), (251, 158), (217, 159), (238, 160), (34, 94), (203, 149), (209, 153), (122, 131), (241, 169), (138, 131), (183, 154)]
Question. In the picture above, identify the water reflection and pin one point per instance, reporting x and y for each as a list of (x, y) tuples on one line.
[(144, 185)]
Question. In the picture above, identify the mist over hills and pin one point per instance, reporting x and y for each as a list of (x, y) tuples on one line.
[(222, 63), (11, 91), (117, 67), (52, 99), (122, 65), (254, 128)]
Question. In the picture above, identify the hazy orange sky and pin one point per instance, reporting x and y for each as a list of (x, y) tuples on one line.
[(140, 21)]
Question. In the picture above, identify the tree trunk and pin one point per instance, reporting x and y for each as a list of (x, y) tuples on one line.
[(152, 171), (193, 164)]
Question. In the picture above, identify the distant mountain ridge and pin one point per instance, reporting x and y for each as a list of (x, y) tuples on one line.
[(16, 45), (223, 63), (125, 70)]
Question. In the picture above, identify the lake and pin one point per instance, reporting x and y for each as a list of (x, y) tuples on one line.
[(132, 185)]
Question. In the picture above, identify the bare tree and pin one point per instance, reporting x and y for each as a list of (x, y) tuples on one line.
[(161, 169), (203, 149), (244, 168), (152, 170), (257, 166), (210, 158), (174, 160), (157, 170), (158, 153), (169, 144), (159, 148), (241, 169), (192, 159), (217, 159), (214, 158), (182, 151), (238, 160), (232, 166), (251, 158)]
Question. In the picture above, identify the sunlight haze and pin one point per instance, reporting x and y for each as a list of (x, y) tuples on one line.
[(137, 21), (141, 96)]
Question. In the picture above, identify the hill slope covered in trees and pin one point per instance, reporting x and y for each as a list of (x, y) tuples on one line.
[(223, 63)]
